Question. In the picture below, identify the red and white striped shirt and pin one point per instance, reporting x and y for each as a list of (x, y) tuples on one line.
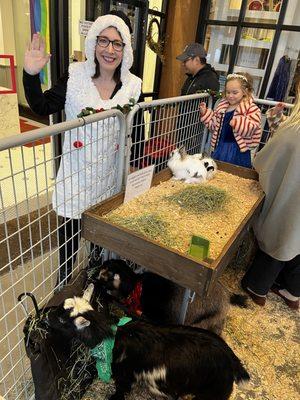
[(246, 123)]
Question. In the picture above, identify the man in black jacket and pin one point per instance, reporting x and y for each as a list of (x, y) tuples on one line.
[(201, 76)]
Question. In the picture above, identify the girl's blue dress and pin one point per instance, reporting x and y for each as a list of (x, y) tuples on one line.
[(227, 149)]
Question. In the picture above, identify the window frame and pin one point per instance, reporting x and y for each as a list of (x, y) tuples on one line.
[(204, 22)]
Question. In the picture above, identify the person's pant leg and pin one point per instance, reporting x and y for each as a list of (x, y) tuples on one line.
[(291, 276), (262, 273), (69, 233)]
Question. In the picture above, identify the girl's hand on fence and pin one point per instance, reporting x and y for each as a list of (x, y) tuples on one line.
[(202, 108), (35, 56)]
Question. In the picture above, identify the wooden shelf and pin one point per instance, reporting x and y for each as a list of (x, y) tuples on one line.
[(253, 71), (268, 15), (260, 44)]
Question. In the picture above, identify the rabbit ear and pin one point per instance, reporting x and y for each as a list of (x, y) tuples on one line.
[(182, 152)]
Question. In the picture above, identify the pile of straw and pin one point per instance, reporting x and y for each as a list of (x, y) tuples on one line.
[(200, 198), (148, 225)]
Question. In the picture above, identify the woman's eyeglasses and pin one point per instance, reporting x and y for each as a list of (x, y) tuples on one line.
[(103, 41)]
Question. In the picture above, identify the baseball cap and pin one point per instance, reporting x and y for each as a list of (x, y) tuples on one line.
[(192, 50)]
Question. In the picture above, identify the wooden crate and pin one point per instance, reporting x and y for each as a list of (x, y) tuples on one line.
[(185, 270)]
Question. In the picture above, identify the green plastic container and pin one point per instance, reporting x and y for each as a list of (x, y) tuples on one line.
[(199, 247)]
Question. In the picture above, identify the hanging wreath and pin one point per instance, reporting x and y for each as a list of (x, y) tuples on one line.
[(158, 45)]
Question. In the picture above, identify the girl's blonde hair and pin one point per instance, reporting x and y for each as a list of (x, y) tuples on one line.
[(245, 80), (293, 121)]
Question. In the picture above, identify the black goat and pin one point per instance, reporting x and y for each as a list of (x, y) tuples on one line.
[(159, 300), (172, 360)]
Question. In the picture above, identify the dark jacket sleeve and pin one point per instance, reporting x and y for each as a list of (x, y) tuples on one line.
[(48, 102)]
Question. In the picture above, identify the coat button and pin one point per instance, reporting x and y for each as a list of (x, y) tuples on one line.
[(77, 144)]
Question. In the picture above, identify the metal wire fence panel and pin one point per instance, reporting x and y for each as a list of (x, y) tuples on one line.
[(40, 230), (158, 127)]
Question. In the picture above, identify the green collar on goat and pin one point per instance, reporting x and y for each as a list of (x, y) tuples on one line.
[(103, 352)]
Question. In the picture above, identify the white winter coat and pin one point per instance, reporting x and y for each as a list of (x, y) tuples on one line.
[(87, 172)]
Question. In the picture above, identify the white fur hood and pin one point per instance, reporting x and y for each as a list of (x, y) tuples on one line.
[(99, 25)]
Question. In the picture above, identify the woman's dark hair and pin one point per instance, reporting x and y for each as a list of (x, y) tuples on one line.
[(123, 16), (117, 74)]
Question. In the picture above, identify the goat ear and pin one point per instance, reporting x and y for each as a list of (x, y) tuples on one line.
[(87, 295), (81, 323), (103, 274)]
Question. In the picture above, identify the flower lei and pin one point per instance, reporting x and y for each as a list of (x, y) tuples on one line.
[(213, 93), (125, 109)]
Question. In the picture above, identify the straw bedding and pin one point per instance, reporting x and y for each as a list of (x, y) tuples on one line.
[(214, 210), (266, 340)]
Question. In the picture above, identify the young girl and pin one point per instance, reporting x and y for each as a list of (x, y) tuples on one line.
[(235, 123)]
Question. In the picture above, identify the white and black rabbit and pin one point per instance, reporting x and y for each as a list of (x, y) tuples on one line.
[(190, 168)]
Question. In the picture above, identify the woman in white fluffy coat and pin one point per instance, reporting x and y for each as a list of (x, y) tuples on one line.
[(87, 170)]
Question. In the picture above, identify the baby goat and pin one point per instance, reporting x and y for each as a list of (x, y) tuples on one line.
[(171, 360), (159, 300)]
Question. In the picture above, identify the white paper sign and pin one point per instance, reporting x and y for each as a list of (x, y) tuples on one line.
[(84, 27), (138, 182)]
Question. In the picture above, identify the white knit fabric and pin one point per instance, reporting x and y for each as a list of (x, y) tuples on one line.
[(98, 26), (87, 173)]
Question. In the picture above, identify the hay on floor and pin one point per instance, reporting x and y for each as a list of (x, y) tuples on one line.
[(266, 339)]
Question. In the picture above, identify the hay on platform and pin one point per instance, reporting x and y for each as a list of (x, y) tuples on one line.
[(200, 198), (148, 225), (230, 198)]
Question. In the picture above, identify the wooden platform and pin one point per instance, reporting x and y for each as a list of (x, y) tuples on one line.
[(182, 269)]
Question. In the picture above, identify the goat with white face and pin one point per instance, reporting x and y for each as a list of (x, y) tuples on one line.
[(172, 360)]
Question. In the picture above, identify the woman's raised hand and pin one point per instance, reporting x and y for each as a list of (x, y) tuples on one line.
[(35, 56), (277, 109)]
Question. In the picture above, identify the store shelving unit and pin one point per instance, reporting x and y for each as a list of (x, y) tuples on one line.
[(253, 48), (242, 39)]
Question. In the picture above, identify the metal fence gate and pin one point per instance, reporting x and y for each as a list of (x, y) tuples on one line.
[(29, 224), (31, 255), (155, 128)]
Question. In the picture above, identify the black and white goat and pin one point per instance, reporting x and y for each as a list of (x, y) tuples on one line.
[(171, 360), (159, 300)]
